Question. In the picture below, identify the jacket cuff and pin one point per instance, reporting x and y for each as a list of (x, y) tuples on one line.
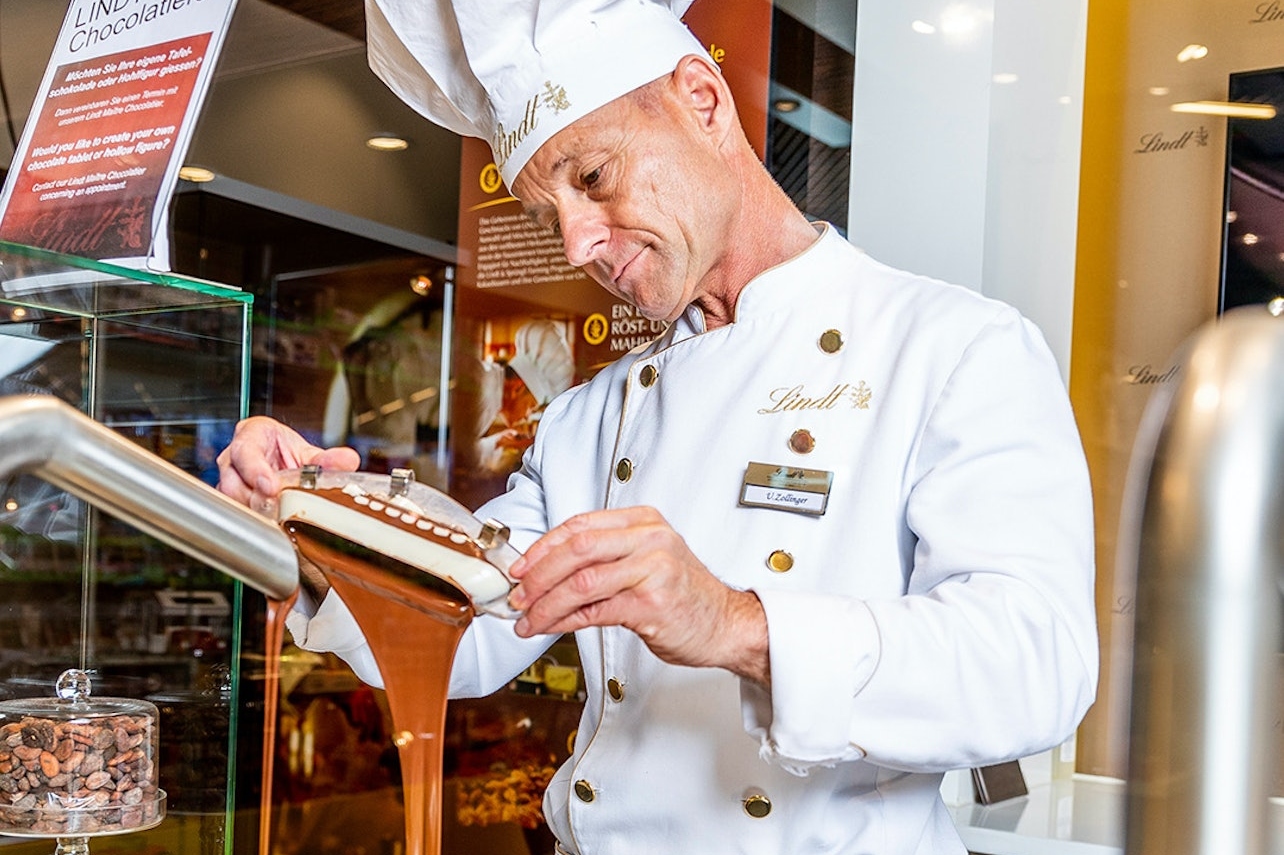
[(331, 628), (803, 722)]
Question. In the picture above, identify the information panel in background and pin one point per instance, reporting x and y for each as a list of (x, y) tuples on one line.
[(101, 149)]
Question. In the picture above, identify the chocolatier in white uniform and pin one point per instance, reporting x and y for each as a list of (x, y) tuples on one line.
[(885, 468)]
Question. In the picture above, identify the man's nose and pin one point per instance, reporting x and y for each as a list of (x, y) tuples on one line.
[(584, 234)]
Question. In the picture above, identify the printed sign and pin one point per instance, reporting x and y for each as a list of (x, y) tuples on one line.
[(100, 152)]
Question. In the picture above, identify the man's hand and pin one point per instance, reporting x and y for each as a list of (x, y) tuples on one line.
[(629, 568), (260, 448)]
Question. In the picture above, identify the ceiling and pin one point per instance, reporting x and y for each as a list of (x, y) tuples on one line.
[(343, 16), (263, 35)]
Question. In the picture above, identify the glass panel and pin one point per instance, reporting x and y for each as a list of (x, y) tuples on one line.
[(809, 131), (162, 360)]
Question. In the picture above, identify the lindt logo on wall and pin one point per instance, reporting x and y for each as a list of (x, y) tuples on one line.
[(1157, 142), (1144, 375), (1268, 12)]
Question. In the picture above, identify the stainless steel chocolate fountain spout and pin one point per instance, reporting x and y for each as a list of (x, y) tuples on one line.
[(53, 441), (1207, 492)]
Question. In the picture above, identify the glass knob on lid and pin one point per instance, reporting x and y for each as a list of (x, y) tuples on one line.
[(73, 685)]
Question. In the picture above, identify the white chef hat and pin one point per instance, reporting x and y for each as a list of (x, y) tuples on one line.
[(515, 72)]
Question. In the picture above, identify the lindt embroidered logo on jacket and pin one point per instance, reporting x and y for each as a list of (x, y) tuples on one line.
[(784, 400)]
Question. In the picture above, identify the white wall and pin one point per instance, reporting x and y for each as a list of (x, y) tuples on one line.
[(965, 147)]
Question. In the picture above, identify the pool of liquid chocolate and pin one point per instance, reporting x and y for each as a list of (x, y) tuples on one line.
[(413, 623)]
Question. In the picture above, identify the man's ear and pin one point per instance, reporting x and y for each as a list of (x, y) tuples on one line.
[(701, 87)]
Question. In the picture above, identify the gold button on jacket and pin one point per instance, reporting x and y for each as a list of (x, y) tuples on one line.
[(802, 442), (757, 806), (780, 561)]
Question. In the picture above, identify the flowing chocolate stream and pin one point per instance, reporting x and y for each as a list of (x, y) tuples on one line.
[(413, 623), (275, 640)]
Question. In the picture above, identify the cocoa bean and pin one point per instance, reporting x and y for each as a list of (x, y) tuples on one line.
[(38, 733), (98, 780), (72, 763)]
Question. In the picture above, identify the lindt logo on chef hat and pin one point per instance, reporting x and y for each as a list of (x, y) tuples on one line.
[(504, 142), (515, 72)]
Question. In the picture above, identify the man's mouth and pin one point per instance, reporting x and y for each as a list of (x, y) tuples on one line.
[(623, 269)]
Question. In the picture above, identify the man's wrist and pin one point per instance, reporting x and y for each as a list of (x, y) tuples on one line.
[(750, 658), (313, 581)]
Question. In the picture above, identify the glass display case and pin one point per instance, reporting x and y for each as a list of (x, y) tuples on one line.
[(162, 360)]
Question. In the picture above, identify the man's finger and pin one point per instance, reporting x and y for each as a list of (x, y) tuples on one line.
[(588, 550), (568, 608), (231, 484), (555, 539)]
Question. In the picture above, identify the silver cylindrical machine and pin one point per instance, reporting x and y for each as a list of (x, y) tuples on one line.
[(1206, 508), (42, 436)]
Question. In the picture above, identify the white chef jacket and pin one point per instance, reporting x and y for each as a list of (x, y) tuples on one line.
[(938, 615)]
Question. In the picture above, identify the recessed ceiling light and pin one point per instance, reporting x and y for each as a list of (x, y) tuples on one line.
[(1158, 90), (1005, 77), (387, 142), (196, 174), (960, 21), (786, 105), (1190, 52), (922, 27)]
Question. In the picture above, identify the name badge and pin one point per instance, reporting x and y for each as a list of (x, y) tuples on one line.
[(786, 488)]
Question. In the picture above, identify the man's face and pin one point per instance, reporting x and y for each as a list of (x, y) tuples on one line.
[(637, 196)]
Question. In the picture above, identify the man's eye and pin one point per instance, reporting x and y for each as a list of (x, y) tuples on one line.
[(591, 178)]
